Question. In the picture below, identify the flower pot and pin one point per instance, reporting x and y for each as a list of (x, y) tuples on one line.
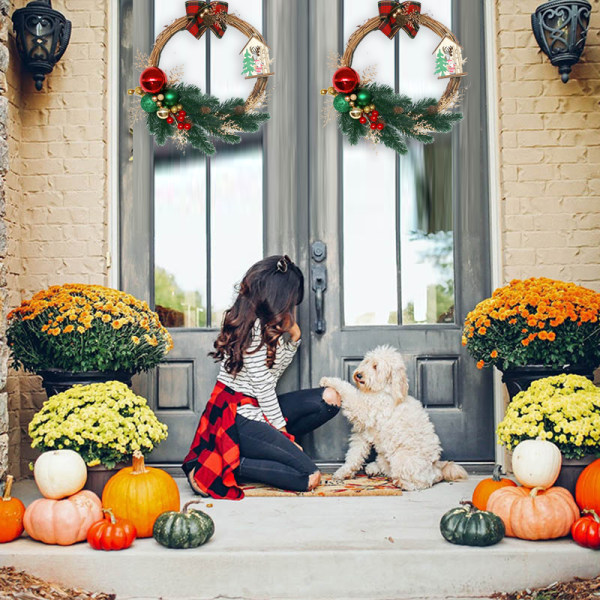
[(571, 470), (99, 475), (56, 381), (520, 378)]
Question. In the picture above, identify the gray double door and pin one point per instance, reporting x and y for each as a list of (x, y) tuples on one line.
[(395, 250)]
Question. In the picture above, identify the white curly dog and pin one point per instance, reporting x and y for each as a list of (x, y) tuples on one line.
[(385, 417)]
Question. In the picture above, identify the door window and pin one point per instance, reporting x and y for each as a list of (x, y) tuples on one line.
[(206, 232), (398, 210)]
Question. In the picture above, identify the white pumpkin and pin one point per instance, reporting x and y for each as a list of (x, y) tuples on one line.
[(60, 473), (536, 463)]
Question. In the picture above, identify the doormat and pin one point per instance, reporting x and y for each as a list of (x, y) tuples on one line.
[(361, 485)]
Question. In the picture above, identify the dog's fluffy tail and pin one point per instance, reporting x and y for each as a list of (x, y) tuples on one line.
[(451, 471)]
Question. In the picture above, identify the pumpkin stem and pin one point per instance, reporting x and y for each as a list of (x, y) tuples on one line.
[(535, 490), (109, 512), (138, 463), (469, 504), (497, 473), (8, 487), (591, 511), (185, 506)]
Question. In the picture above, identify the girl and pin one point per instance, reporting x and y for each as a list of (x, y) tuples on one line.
[(246, 431)]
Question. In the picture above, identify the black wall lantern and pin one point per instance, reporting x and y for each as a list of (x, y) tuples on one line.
[(560, 28), (43, 35)]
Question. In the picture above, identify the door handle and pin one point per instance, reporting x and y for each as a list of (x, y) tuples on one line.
[(319, 284)]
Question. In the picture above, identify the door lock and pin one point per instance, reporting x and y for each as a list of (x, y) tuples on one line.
[(318, 275)]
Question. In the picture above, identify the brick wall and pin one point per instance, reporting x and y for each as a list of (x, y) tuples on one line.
[(57, 200), (550, 153)]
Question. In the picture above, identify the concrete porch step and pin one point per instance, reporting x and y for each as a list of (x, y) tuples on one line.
[(371, 548)]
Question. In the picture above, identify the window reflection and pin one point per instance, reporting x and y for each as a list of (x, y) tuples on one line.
[(208, 216), (422, 249)]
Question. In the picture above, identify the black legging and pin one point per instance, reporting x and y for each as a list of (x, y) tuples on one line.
[(268, 456)]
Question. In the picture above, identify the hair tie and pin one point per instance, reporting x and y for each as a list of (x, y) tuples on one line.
[(282, 263)]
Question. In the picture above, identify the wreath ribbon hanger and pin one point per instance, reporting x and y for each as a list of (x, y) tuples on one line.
[(396, 16), (205, 15)]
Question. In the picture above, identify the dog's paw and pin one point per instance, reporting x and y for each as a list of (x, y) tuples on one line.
[(372, 469), (329, 382), (340, 475)]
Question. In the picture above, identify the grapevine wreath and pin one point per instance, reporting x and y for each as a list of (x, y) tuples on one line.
[(186, 114), (375, 111)]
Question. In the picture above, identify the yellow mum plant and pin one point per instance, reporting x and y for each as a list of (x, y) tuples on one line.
[(536, 321), (86, 328), (564, 409), (104, 422)]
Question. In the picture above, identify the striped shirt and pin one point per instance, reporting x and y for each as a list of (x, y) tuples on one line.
[(255, 379)]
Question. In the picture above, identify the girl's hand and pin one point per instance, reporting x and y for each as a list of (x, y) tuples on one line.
[(295, 333)]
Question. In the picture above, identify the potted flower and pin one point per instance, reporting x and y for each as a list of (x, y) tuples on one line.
[(563, 409), (535, 328), (104, 422), (76, 334)]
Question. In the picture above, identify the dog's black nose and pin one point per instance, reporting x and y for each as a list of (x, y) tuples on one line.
[(358, 375)]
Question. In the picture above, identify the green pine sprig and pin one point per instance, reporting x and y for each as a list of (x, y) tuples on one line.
[(211, 119), (403, 119)]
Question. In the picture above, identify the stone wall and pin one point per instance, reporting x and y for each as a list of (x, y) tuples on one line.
[(57, 197), (550, 153), (4, 168)]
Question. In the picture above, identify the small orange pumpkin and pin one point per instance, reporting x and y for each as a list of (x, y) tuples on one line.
[(488, 486), (11, 514), (587, 489), (62, 522), (139, 494), (534, 514)]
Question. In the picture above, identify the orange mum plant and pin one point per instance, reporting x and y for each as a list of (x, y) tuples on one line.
[(536, 321), (86, 328)]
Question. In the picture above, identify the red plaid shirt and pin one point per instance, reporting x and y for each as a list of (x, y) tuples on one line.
[(215, 451)]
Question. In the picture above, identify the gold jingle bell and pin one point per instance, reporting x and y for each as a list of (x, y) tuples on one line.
[(356, 113), (163, 113)]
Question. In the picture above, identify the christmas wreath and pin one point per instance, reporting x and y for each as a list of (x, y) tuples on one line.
[(375, 112), (186, 114)]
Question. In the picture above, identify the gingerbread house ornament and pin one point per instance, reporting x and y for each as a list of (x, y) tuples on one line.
[(449, 61), (257, 62)]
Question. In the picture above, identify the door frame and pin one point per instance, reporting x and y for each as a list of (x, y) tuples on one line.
[(283, 233)]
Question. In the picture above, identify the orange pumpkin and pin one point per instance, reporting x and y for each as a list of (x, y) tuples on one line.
[(140, 494), (62, 522), (488, 486), (11, 514), (534, 514), (587, 489)]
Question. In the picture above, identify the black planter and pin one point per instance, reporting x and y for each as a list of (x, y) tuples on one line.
[(56, 381), (520, 378)]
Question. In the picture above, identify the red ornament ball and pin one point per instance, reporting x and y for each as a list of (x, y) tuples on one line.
[(182, 113), (373, 118), (187, 126), (152, 80), (181, 118), (345, 80), (362, 120), (180, 126), (373, 126), (170, 120), (380, 126), (375, 114)]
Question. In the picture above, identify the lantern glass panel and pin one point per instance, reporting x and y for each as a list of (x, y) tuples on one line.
[(38, 37)]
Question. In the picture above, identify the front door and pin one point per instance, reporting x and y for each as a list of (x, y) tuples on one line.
[(400, 242)]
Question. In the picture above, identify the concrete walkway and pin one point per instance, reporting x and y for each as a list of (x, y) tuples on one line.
[(312, 548)]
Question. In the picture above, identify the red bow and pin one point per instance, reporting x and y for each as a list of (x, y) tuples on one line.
[(199, 11), (394, 16)]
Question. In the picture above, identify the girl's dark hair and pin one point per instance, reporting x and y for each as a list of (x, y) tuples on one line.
[(269, 291)]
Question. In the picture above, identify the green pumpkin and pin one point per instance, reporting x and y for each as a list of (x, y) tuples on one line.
[(469, 526), (186, 529)]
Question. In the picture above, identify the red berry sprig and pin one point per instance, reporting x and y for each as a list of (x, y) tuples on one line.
[(183, 123), (372, 119)]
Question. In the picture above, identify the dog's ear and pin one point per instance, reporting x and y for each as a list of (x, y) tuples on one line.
[(399, 382)]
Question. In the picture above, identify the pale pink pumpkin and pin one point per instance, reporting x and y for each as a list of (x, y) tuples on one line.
[(62, 522)]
